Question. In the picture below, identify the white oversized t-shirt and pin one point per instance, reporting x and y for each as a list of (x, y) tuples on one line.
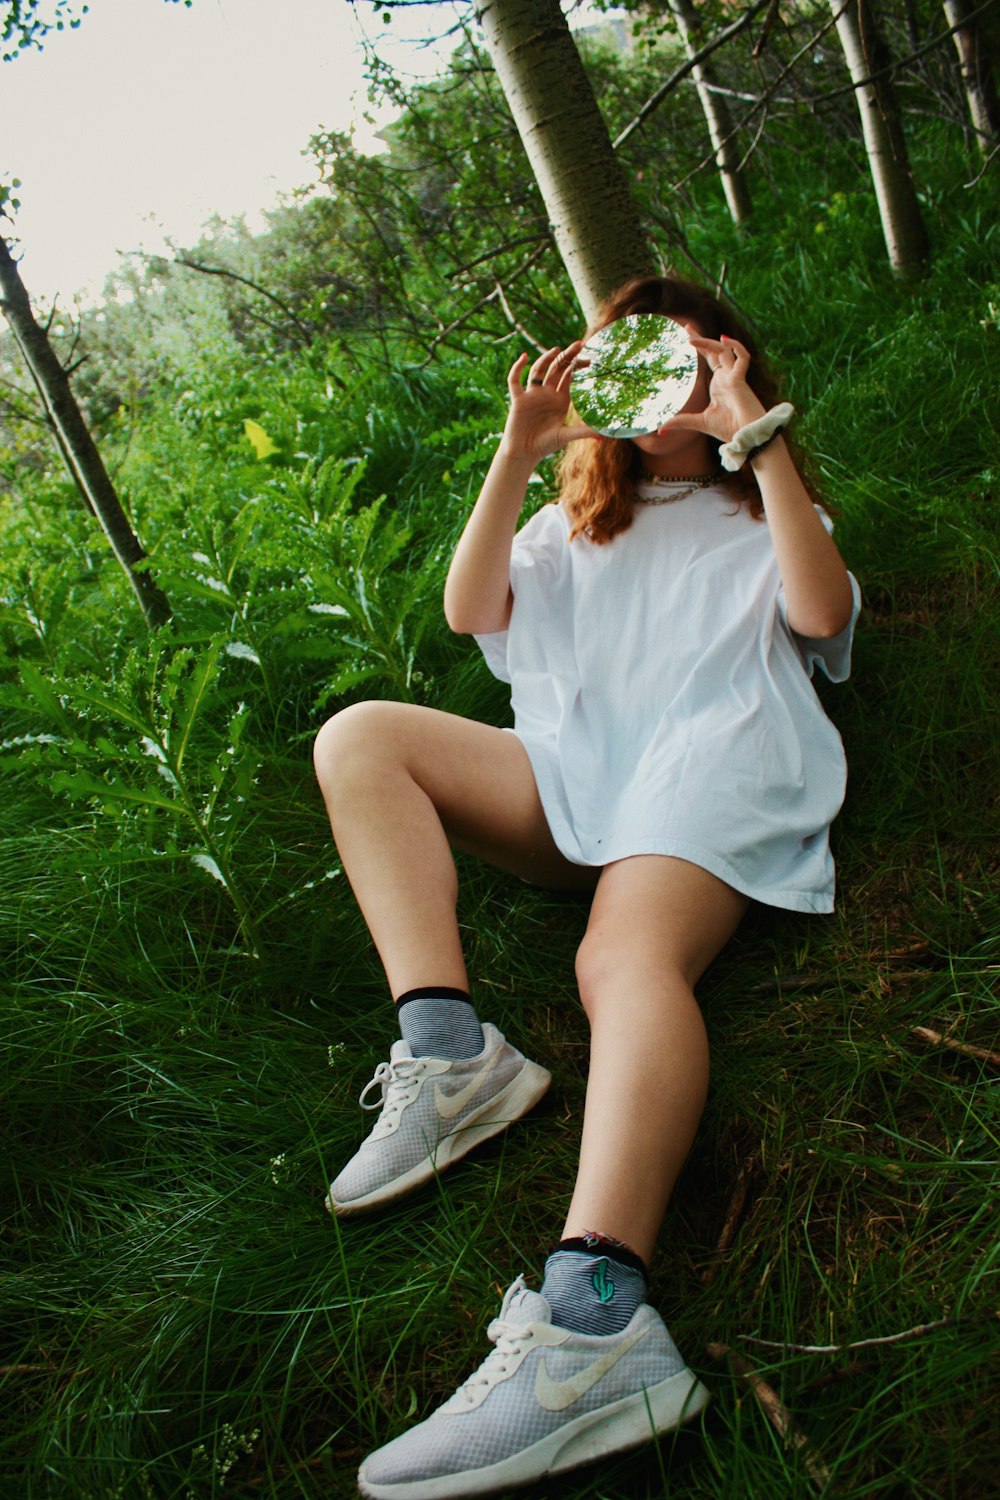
[(664, 702)]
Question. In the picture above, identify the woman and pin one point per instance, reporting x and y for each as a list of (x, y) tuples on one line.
[(659, 627)]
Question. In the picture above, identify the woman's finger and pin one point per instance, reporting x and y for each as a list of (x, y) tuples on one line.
[(578, 430), (722, 353), (514, 375), (542, 366), (704, 344), (565, 364), (741, 355), (691, 421)]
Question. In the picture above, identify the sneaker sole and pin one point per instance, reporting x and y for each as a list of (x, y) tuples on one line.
[(521, 1094), (597, 1434)]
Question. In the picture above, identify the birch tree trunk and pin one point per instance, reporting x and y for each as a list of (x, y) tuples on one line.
[(976, 68), (594, 219), (77, 447), (866, 54), (717, 115)]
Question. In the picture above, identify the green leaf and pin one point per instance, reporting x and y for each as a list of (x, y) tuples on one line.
[(263, 446), (43, 695), (197, 687), (79, 784)]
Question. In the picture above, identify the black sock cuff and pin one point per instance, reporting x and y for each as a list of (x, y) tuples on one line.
[(600, 1244), (433, 992)]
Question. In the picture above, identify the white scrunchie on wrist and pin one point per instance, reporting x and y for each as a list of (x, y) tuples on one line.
[(754, 435)]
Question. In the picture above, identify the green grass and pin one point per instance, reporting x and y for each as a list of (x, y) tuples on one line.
[(182, 1053)]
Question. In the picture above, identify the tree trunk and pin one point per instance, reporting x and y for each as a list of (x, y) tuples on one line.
[(717, 115), (976, 67), (73, 439), (867, 54), (594, 219)]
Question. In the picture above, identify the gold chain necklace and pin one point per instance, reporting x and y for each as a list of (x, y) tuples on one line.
[(694, 482)]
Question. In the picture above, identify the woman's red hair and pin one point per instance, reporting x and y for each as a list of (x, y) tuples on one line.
[(597, 479)]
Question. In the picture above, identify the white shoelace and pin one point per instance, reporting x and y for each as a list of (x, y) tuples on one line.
[(511, 1342), (397, 1082)]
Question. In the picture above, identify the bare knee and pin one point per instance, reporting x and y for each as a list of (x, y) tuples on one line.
[(614, 966), (595, 966), (347, 745)]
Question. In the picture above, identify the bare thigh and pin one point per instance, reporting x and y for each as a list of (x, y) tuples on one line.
[(663, 911), (478, 779)]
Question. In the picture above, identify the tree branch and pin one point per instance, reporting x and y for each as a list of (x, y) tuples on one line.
[(22, 413), (765, 97), (903, 62), (524, 239), (985, 166), (528, 338), (496, 294), (656, 99), (744, 97), (765, 30), (675, 236), (306, 333)]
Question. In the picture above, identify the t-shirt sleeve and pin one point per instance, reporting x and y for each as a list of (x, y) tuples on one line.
[(494, 649), (538, 543), (832, 653)]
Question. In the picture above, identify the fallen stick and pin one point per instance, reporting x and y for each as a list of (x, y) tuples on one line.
[(890, 1338), (776, 1411), (737, 1203), (41, 1369), (966, 1048)]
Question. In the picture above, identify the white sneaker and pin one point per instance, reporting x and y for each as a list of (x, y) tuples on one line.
[(544, 1401), (434, 1110)]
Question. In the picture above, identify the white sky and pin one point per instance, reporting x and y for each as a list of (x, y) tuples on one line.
[(150, 117)]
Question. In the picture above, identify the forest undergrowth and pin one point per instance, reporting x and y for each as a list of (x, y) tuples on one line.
[(192, 1004)]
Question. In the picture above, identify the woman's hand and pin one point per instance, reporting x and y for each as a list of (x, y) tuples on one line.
[(477, 595), (731, 402), (536, 423)]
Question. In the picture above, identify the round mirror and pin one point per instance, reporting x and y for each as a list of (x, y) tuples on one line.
[(634, 374)]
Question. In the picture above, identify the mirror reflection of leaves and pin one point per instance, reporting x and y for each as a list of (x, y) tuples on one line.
[(640, 371)]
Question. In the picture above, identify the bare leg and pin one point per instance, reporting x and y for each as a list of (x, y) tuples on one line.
[(402, 783), (655, 926)]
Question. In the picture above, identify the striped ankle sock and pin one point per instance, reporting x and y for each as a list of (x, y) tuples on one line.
[(593, 1284), (439, 1022)]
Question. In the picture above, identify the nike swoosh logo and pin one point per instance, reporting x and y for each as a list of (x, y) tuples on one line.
[(557, 1395), (449, 1105)]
